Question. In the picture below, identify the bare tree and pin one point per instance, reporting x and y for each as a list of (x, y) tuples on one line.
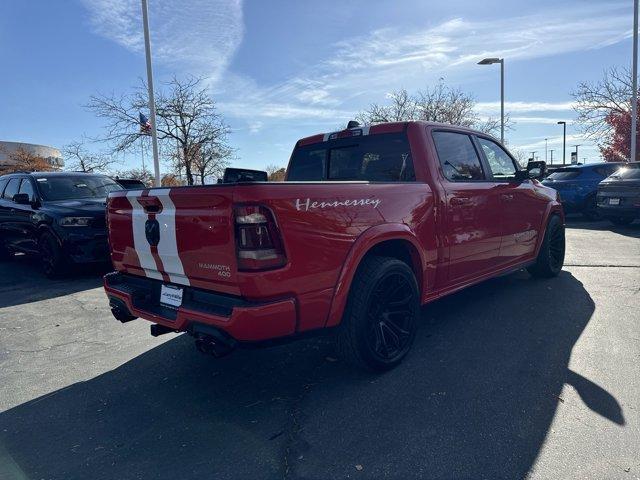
[(187, 120), (438, 104), (596, 100), (171, 180), (79, 158), (275, 173), (210, 160)]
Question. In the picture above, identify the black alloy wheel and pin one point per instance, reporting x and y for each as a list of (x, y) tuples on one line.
[(52, 259), (381, 318), (390, 318), (556, 246), (550, 258)]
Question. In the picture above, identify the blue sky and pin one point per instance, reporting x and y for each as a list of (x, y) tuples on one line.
[(281, 70)]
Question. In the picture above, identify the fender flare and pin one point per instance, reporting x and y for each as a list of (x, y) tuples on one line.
[(553, 208), (363, 244)]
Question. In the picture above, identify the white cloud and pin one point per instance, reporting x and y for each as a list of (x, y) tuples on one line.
[(362, 69), (535, 120), (493, 107), (200, 35), (572, 139)]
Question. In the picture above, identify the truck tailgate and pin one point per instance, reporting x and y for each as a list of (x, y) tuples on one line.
[(178, 235)]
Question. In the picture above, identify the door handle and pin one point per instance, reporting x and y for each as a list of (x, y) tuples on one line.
[(507, 196), (460, 201)]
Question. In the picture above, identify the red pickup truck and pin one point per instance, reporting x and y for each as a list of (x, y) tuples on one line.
[(371, 223)]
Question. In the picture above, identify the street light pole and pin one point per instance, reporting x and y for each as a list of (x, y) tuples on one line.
[(634, 95), (545, 149), (491, 61), (551, 151), (152, 102), (564, 141)]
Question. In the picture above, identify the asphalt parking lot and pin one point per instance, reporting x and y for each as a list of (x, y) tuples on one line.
[(512, 378)]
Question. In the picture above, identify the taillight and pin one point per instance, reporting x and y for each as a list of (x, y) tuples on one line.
[(258, 241)]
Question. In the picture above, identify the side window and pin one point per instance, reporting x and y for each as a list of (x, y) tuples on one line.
[(12, 188), (501, 164), (3, 183), (458, 156), (27, 187)]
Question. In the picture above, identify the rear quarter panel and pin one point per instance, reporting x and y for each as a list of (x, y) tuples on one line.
[(324, 228)]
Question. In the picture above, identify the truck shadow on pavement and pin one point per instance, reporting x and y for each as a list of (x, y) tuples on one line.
[(21, 281), (474, 399)]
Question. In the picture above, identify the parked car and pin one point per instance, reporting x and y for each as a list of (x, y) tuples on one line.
[(130, 183), (619, 195), (578, 185), (240, 175), (370, 223), (59, 216)]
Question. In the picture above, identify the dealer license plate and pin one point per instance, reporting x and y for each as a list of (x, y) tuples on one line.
[(171, 296), (614, 201)]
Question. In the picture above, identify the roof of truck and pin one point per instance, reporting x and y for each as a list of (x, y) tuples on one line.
[(377, 128)]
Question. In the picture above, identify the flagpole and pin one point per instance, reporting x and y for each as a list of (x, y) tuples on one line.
[(634, 85), (152, 102)]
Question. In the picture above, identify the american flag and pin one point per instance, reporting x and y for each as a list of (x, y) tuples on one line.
[(145, 125)]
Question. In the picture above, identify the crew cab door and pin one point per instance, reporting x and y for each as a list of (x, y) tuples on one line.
[(9, 216), (471, 226), (25, 228), (521, 208)]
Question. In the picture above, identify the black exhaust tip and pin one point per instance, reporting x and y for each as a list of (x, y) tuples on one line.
[(211, 341), (120, 311)]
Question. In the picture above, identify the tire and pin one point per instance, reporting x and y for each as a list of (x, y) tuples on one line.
[(381, 318), (551, 256), (53, 262), (590, 209), (621, 221)]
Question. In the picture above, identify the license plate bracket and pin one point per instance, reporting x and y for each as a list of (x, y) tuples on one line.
[(171, 296)]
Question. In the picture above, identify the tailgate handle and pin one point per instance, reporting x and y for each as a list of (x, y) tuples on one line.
[(150, 204)]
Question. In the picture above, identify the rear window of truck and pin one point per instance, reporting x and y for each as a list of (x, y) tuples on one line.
[(374, 158)]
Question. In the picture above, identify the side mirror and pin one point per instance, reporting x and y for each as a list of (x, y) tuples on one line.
[(537, 170), (22, 199)]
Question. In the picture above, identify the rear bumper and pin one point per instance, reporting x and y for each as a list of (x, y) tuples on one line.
[(618, 211), (242, 320)]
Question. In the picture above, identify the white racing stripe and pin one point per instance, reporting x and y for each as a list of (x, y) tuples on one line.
[(142, 247), (168, 245)]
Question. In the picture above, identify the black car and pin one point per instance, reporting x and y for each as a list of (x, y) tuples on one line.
[(619, 195), (131, 183), (58, 215)]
